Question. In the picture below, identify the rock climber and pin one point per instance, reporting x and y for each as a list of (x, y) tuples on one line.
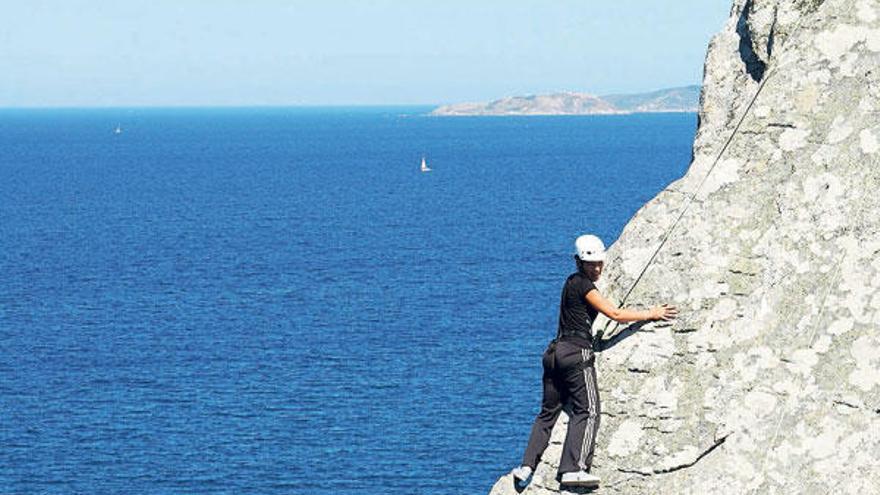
[(569, 372)]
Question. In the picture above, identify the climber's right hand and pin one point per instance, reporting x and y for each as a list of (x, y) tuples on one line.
[(664, 312)]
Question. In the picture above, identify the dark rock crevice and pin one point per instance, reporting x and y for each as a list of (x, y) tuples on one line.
[(755, 67), (809, 6), (771, 38)]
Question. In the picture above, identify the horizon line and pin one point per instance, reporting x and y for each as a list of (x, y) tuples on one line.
[(215, 106), (319, 105)]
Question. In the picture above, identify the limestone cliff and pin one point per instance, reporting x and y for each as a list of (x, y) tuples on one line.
[(770, 381)]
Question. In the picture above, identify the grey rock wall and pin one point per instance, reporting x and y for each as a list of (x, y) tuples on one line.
[(770, 380)]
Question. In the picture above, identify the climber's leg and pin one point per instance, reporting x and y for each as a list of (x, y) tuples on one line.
[(583, 398), (551, 405)]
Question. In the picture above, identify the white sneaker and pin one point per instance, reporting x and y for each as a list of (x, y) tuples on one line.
[(521, 473), (580, 478)]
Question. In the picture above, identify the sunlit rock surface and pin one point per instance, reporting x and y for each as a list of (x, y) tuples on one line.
[(769, 383)]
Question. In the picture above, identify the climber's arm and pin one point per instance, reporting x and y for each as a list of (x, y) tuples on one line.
[(621, 315)]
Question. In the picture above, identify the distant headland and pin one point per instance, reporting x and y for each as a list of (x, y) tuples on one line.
[(682, 99)]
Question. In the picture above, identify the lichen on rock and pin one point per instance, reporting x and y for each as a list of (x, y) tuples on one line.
[(769, 380)]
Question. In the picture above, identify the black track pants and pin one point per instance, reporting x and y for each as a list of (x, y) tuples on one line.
[(569, 378)]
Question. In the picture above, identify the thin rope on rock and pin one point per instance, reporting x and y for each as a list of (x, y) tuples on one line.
[(693, 195), (767, 76)]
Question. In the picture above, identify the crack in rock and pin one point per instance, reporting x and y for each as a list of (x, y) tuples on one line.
[(847, 404), (718, 443), (637, 370), (677, 467), (635, 471)]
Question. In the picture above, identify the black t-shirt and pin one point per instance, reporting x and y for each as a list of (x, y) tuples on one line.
[(576, 315)]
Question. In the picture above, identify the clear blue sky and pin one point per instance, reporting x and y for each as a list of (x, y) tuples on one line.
[(318, 52)]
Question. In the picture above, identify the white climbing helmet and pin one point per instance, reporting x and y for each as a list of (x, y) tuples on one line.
[(589, 248)]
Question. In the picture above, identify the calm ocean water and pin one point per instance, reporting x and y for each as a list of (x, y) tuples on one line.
[(277, 301)]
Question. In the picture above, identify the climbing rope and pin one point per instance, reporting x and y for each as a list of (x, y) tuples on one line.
[(691, 198), (686, 207), (699, 186), (767, 77)]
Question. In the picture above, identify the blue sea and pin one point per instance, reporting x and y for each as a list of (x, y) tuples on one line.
[(277, 301)]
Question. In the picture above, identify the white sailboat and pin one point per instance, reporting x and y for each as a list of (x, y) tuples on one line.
[(118, 129), (424, 167)]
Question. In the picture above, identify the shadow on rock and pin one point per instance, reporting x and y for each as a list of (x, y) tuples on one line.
[(603, 344)]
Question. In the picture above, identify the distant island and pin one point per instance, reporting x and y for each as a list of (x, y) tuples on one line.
[(683, 99)]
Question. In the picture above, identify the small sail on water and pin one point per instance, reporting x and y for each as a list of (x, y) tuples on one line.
[(424, 167)]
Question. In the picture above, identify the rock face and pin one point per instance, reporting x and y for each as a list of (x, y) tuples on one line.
[(769, 382), (684, 99)]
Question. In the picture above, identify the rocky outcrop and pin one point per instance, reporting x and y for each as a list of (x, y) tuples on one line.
[(682, 99), (555, 104), (770, 380)]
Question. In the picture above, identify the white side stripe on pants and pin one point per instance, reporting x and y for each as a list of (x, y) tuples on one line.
[(590, 385)]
